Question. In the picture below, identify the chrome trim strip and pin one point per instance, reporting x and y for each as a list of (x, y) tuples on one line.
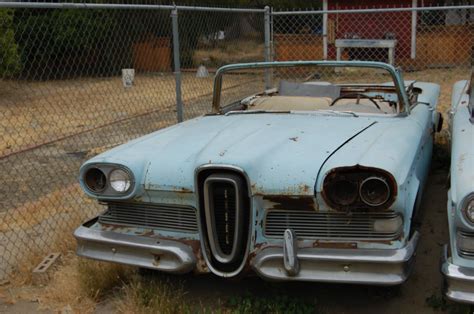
[(360, 266), (459, 281), (164, 255)]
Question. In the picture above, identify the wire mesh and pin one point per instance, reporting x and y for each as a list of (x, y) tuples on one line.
[(75, 82), (209, 40), (433, 44)]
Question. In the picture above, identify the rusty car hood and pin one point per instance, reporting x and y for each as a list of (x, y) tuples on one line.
[(280, 153)]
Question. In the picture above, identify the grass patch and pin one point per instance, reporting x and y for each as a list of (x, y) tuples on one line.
[(439, 303), (276, 304), (99, 279), (226, 53), (153, 294)]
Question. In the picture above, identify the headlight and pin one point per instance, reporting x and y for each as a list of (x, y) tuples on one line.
[(374, 191), (95, 180), (359, 188), (469, 208), (120, 180), (343, 192), (107, 180)]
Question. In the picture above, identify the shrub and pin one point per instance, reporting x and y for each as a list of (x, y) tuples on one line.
[(9, 57)]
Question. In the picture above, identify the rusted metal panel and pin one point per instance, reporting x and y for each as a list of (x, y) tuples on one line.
[(281, 160), (462, 169)]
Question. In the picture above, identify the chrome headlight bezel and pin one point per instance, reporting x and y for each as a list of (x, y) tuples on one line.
[(358, 175), (107, 190), (467, 208), (365, 198)]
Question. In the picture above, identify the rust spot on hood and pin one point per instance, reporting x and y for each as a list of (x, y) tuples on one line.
[(291, 202), (184, 190)]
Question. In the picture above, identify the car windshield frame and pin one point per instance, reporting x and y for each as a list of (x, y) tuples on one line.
[(471, 97), (403, 106)]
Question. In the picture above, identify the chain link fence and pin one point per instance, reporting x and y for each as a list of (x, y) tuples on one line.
[(78, 79), (434, 44)]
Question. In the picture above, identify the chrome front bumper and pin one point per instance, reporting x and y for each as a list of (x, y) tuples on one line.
[(164, 255), (459, 281), (357, 266)]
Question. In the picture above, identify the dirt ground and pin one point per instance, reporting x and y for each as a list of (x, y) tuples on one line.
[(43, 111), (420, 294)]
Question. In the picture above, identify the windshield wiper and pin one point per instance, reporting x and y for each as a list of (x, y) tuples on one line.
[(289, 111), (256, 111), (341, 112)]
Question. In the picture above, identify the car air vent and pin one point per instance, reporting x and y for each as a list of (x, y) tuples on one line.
[(465, 244), (153, 216), (338, 226)]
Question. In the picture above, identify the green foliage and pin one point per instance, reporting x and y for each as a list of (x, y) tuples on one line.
[(58, 44), (9, 57), (62, 43), (275, 304), (439, 303)]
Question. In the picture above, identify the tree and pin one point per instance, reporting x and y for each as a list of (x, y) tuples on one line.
[(9, 57)]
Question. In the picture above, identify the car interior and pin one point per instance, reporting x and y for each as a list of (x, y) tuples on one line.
[(311, 96)]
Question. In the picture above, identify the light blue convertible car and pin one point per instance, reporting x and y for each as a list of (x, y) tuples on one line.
[(458, 259), (313, 174)]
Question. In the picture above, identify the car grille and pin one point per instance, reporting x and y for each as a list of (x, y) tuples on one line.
[(153, 216), (466, 253), (314, 225), (224, 211), (225, 219)]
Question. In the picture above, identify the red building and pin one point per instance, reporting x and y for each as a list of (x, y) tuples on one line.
[(386, 25), (423, 38)]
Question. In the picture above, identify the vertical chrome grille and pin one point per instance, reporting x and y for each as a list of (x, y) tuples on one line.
[(225, 218), (224, 201)]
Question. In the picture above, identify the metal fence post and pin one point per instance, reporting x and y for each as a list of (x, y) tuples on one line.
[(268, 50), (325, 30), (414, 16), (177, 64)]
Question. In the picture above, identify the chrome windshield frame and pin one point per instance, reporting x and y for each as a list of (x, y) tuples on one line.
[(471, 97), (403, 106)]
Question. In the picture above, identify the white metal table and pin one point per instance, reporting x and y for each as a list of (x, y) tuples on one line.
[(367, 43)]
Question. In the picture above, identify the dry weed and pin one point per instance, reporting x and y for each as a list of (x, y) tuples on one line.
[(155, 294), (82, 283), (239, 51)]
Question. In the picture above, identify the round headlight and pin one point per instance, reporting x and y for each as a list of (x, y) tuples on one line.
[(469, 210), (342, 192), (120, 180), (374, 191), (95, 180)]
